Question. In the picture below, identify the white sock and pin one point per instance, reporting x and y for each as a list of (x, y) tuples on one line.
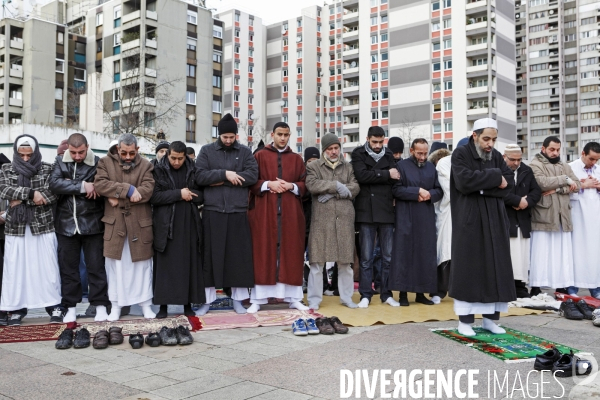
[(101, 314), (489, 325), (147, 310), (115, 313), (238, 307), (328, 293), (71, 315), (364, 303), (392, 302), (298, 306), (436, 299), (465, 329), (203, 309), (253, 309), (350, 304), (313, 307)]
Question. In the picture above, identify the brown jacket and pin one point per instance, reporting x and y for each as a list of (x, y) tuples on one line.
[(552, 212), (131, 220), (331, 235)]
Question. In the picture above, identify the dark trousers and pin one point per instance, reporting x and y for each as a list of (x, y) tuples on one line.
[(69, 256), (83, 275), (377, 263), (443, 279), (367, 235)]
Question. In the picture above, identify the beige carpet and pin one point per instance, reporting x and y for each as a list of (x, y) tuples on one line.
[(380, 313)]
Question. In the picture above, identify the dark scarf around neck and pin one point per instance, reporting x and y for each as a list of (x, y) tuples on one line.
[(551, 160), (24, 213)]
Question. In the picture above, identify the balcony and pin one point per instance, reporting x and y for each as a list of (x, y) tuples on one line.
[(350, 15), (351, 126), (152, 15), (476, 4), (350, 88), (16, 72), (131, 16), (477, 47), (131, 73), (151, 72), (478, 89), (477, 68), (351, 107), (15, 102), (16, 43), (2, 42), (349, 71), (350, 52), (350, 35), (132, 44), (479, 25), (152, 43), (1, 72), (149, 101), (1, 99)]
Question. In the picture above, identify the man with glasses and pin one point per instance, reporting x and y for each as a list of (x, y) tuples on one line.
[(519, 202)]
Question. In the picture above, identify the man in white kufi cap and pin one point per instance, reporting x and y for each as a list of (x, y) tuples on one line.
[(481, 277), (519, 202)]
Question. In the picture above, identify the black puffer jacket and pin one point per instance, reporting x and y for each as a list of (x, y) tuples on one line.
[(74, 211), (164, 198)]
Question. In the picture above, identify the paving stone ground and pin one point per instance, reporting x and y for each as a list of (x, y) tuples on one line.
[(272, 363)]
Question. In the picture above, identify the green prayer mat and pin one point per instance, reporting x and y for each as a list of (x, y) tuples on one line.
[(513, 346)]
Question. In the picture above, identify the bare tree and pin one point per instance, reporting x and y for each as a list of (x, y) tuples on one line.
[(258, 132), (73, 105), (407, 130), (146, 103)]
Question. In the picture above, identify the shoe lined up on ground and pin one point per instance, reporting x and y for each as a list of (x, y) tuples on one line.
[(299, 328), (153, 339), (136, 340), (168, 337), (311, 326), (562, 365), (569, 310), (65, 340), (596, 317), (82, 339), (15, 320), (57, 316), (3, 318), (184, 337), (101, 340), (116, 335), (585, 309), (329, 326)]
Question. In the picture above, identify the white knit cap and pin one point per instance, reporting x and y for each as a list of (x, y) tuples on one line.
[(513, 148), (485, 123), (26, 141)]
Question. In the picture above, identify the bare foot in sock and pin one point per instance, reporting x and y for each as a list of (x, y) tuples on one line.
[(253, 309), (364, 303), (238, 307), (465, 329), (350, 304), (101, 314), (436, 299), (489, 325), (71, 315), (115, 313), (392, 302), (298, 306), (203, 309), (148, 313)]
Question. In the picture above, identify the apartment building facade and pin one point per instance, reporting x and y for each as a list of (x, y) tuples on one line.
[(244, 73), (558, 74)]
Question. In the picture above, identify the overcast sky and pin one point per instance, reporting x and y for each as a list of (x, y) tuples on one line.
[(270, 11)]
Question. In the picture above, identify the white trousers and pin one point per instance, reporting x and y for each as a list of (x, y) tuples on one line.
[(236, 294), (315, 284), (261, 293)]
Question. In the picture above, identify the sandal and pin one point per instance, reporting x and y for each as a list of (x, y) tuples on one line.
[(100, 340), (136, 341), (153, 340), (116, 335)]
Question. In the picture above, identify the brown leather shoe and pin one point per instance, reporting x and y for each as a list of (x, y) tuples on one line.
[(116, 335), (100, 340), (324, 326), (337, 325)]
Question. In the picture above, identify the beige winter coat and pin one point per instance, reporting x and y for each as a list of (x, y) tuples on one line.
[(131, 220), (331, 235), (553, 211)]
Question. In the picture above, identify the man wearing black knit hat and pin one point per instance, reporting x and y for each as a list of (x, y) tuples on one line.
[(396, 145), (161, 150), (227, 169)]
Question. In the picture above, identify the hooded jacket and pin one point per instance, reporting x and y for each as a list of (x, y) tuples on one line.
[(75, 214)]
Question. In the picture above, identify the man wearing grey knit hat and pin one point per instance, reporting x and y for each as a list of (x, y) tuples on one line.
[(332, 184)]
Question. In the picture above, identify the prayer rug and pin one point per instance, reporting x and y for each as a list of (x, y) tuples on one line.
[(230, 320), (32, 333), (143, 326), (512, 347), (380, 313)]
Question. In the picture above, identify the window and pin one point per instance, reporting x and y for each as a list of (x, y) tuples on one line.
[(190, 98), (436, 46), (448, 106), (437, 128), (236, 65), (589, 74), (285, 88), (58, 119), (116, 95), (570, 64), (436, 66), (385, 114), (299, 39), (374, 58), (535, 3), (149, 119), (447, 23), (537, 81), (117, 12), (60, 38), (538, 41), (60, 66), (384, 19), (448, 85), (570, 24), (590, 129), (374, 115), (435, 26), (237, 17), (117, 39), (587, 47), (384, 56), (218, 31), (374, 96), (216, 106), (285, 72), (58, 94), (99, 19), (589, 61), (571, 38), (437, 87), (236, 49), (192, 17), (435, 6), (374, 21), (250, 68), (538, 28), (447, 43), (373, 39), (588, 34), (285, 57), (374, 77), (384, 76), (447, 3), (299, 54), (79, 74), (190, 130), (537, 15), (590, 115), (299, 70), (237, 33), (587, 21), (217, 57), (299, 86), (191, 72), (448, 127), (448, 64), (384, 95), (384, 37)]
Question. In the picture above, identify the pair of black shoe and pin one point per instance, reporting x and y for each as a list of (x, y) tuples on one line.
[(419, 298), (79, 339), (562, 365), (580, 310), (166, 337)]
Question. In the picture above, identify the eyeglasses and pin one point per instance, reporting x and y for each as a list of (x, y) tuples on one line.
[(514, 159), (130, 154)]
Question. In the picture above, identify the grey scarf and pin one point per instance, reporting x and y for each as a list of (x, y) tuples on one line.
[(23, 213), (374, 156)]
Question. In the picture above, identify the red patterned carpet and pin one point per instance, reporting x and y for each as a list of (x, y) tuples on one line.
[(32, 333), (230, 319)]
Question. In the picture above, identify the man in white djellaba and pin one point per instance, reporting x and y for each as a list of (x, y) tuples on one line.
[(31, 276), (585, 211)]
